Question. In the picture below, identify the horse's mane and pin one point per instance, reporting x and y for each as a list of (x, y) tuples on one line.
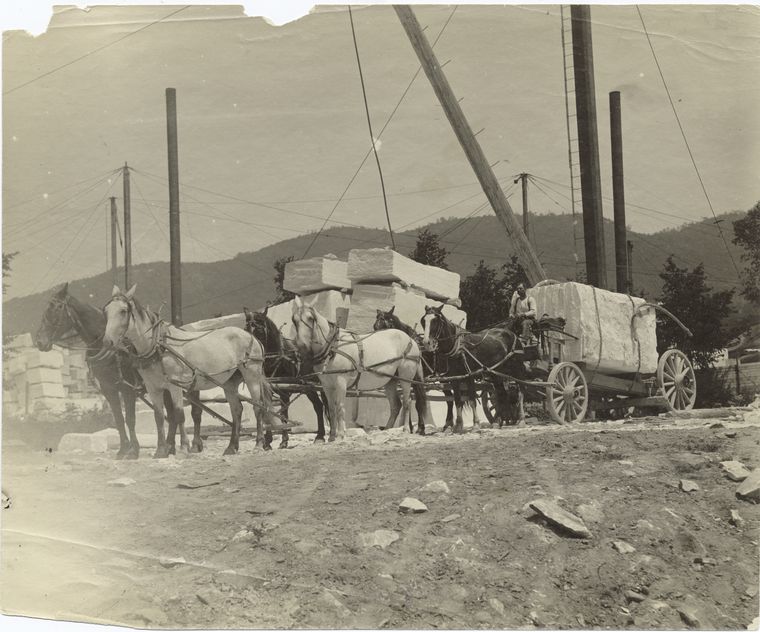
[(273, 336), (399, 324), (151, 315)]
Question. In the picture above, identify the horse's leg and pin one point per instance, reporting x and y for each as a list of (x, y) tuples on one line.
[(236, 411), (406, 404), (285, 399), (395, 402), (328, 390), (520, 405), (319, 409), (171, 433), (196, 412), (176, 406), (261, 395), (473, 400), (339, 397), (459, 403), (157, 401), (449, 409), (111, 393), (128, 396)]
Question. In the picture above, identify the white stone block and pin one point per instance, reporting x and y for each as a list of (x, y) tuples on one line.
[(77, 360), (379, 265), (23, 341), (231, 320), (82, 441), (313, 275), (608, 339), (42, 374), (329, 303), (409, 306), (17, 365), (51, 359), (46, 389)]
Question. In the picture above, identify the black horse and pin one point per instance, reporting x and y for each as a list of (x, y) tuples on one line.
[(493, 350), (283, 360), (432, 366)]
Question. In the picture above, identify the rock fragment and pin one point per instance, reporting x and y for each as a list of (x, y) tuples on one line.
[(623, 547), (561, 518), (121, 482), (380, 538), (687, 485), (735, 470), (412, 505), (451, 518), (636, 597), (438, 487), (750, 488), (736, 519), (497, 605)]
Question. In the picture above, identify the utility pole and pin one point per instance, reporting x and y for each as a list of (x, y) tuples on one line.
[(588, 146), (127, 229), (469, 143), (524, 178), (618, 193), (114, 226), (175, 265), (630, 268)]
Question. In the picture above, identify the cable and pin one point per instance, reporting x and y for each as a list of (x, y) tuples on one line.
[(390, 117), (686, 142), (369, 125), (92, 52)]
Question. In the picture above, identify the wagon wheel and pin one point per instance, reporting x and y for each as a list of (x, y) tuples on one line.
[(567, 393), (676, 379), (488, 401)]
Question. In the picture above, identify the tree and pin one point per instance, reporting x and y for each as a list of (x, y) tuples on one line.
[(747, 235), (429, 251), (686, 294), (484, 297), (512, 275), (279, 279), (7, 259)]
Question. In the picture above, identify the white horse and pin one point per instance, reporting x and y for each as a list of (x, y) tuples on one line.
[(346, 361), (171, 360)]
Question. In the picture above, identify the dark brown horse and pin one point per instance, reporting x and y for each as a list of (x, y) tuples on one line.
[(430, 366), (494, 350), (65, 318), (282, 360)]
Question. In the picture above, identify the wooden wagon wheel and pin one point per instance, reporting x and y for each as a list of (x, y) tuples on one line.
[(488, 401), (567, 393), (676, 379)]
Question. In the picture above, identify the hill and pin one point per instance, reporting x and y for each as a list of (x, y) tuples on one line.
[(246, 279)]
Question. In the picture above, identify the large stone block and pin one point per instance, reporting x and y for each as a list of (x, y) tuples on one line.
[(313, 275), (409, 306), (42, 374), (17, 365), (330, 303), (50, 359), (97, 442), (609, 338), (46, 389), (23, 341), (379, 265), (231, 320)]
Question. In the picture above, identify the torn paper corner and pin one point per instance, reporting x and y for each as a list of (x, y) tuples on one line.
[(276, 12), (32, 16)]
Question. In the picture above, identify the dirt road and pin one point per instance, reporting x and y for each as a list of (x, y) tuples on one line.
[(275, 539)]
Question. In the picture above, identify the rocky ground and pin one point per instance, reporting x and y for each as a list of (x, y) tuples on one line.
[(313, 536)]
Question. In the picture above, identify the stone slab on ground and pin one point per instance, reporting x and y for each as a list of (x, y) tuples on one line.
[(601, 321), (561, 518), (381, 538), (316, 274), (412, 505), (87, 442), (735, 470), (409, 305), (750, 488), (379, 265)]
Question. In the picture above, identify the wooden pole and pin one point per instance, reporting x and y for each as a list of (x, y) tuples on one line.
[(629, 263), (618, 193), (524, 178), (127, 229), (114, 226), (175, 265), (470, 145), (588, 146)]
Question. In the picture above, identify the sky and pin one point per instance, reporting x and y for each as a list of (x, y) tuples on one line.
[(272, 126)]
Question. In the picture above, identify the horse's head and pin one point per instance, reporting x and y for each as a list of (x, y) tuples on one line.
[(258, 324), (56, 322), (433, 327), (312, 329), (386, 320), (119, 312)]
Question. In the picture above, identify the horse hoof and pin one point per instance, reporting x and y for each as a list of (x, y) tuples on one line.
[(229, 451), (283, 446), (196, 449), (121, 455), (421, 431), (160, 454)]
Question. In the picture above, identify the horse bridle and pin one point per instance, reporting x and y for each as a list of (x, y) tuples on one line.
[(154, 328), (57, 335), (328, 340)]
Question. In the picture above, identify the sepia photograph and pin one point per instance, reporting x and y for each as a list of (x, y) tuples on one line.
[(426, 316)]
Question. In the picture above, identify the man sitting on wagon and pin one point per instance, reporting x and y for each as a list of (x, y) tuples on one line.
[(523, 310)]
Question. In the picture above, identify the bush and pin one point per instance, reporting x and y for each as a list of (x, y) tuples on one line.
[(715, 389)]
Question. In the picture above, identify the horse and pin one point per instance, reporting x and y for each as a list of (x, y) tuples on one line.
[(170, 359), (494, 349), (281, 359), (347, 361), (388, 320)]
